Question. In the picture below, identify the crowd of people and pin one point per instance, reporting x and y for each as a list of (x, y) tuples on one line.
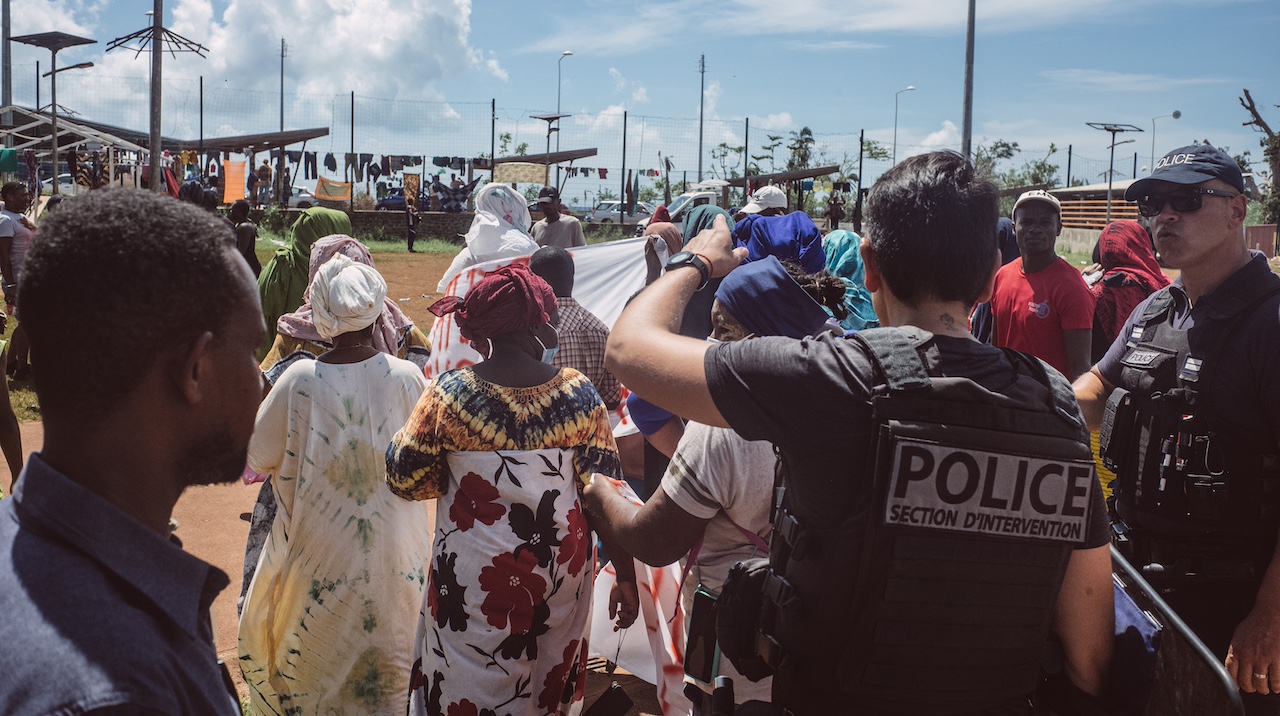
[(867, 453)]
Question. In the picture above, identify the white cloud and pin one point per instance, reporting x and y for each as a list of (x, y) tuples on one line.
[(832, 45), (640, 95), (945, 138), (619, 82), (711, 98), (1109, 81), (781, 120), (657, 23)]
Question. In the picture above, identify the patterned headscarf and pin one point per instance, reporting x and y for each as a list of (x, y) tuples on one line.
[(285, 279), (392, 323), (1129, 274), (508, 300)]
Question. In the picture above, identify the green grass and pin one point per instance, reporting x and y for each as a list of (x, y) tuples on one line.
[(22, 395), (376, 242)]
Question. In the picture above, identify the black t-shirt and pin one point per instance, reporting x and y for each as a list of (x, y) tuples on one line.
[(811, 398)]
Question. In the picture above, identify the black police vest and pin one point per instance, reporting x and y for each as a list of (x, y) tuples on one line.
[(940, 600), (1175, 471)]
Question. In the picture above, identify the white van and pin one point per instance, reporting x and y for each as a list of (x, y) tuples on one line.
[(682, 205)]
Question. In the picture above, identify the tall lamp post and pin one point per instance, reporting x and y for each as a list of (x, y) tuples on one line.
[(566, 53), (1176, 114), (553, 121), (895, 120), (54, 41), (1114, 129)]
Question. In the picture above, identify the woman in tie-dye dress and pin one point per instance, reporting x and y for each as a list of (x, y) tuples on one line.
[(330, 616), (506, 446)]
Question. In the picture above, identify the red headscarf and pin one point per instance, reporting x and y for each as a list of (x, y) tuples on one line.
[(508, 300), (1129, 274), (660, 214)]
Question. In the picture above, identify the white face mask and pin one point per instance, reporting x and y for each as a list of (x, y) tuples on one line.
[(549, 354)]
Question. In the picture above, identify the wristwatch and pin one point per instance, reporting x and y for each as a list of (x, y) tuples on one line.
[(686, 258)]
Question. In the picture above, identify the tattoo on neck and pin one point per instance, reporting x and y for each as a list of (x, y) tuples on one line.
[(948, 321)]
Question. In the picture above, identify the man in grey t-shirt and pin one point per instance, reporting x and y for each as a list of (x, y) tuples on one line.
[(556, 228)]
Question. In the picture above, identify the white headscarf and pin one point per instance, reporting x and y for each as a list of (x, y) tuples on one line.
[(499, 230), (346, 297)]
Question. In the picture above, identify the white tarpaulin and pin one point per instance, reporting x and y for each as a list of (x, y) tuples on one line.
[(605, 276)]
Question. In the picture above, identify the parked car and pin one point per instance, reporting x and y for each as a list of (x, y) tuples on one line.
[(302, 198), (66, 186), (610, 212), (682, 205), (393, 201)]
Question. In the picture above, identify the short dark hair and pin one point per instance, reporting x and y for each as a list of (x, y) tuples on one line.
[(931, 222), (9, 188), (117, 276), (555, 266), (240, 205)]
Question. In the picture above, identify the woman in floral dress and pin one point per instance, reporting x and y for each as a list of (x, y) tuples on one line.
[(507, 445)]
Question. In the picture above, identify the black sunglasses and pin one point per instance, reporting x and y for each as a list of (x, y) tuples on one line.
[(1181, 202)]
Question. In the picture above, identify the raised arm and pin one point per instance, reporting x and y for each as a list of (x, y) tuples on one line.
[(646, 351)]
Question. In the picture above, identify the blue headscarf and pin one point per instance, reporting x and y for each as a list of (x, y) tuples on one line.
[(792, 237), (703, 217), (845, 262), (768, 302)]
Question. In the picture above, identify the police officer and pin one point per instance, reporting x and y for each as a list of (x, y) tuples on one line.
[(1194, 427), (891, 525)]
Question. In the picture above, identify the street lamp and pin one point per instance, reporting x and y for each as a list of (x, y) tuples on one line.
[(566, 53), (54, 41), (895, 120), (1114, 129), (1176, 114), (552, 121)]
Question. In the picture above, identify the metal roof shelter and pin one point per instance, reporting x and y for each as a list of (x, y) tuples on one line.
[(241, 144), (568, 155), (32, 130), (794, 175)]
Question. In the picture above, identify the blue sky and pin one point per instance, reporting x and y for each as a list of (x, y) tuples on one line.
[(1042, 69)]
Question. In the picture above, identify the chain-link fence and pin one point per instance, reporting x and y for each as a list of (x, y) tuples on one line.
[(631, 150)]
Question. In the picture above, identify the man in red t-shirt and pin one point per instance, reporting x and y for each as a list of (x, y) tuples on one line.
[(1040, 302)]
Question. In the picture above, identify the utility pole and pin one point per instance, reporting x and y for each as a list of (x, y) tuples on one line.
[(283, 195), (702, 96), (159, 40), (967, 140), (200, 149), (153, 143), (857, 204), (6, 92)]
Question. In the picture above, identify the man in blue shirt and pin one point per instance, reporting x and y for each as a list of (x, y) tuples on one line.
[(144, 324)]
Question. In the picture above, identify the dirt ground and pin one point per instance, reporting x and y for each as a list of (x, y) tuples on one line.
[(212, 521)]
